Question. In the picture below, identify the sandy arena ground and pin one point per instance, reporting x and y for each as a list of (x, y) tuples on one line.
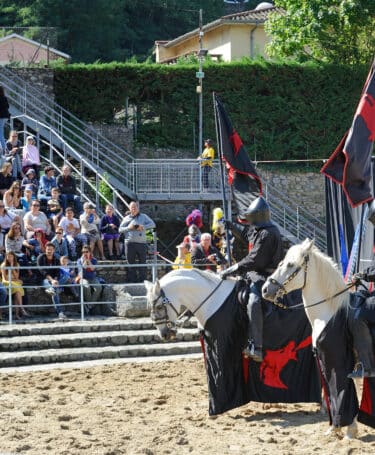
[(151, 408)]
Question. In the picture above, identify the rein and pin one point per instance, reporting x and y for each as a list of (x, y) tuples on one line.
[(166, 301), (192, 313), (290, 278), (301, 305)]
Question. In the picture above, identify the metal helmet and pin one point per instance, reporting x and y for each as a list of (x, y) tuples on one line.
[(258, 213), (371, 212)]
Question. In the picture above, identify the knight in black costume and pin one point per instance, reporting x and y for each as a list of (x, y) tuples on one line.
[(265, 253), (360, 316), (358, 319)]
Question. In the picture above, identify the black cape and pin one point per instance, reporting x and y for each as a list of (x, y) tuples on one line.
[(288, 373), (336, 359)]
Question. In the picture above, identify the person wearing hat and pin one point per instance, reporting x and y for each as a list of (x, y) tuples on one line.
[(30, 180), (46, 183), (206, 159), (183, 259), (27, 198), (265, 253), (30, 156)]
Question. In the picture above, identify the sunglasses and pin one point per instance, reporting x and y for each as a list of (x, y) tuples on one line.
[(59, 232), (35, 205)]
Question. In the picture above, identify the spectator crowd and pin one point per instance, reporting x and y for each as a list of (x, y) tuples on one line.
[(44, 224)]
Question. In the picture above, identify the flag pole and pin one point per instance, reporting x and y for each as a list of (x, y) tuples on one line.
[(223, 193), (364, 212)]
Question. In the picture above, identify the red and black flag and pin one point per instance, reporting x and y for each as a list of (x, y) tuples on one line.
[(242, 176), (350, 163)]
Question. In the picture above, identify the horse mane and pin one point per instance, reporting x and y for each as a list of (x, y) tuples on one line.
[(328, 272)]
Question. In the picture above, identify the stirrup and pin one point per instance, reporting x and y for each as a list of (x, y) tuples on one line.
[(254, 352), (361, 372)]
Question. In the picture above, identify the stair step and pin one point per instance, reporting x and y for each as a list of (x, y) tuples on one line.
[(12, 359), (90, 339), (51, 326)]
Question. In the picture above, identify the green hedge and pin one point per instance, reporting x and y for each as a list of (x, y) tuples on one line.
[(281, 111)]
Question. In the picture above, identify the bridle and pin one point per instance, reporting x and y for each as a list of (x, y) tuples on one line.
[(165, 302), (281, 286), (282, 290)]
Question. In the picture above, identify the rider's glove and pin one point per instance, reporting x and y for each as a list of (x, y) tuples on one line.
[(228, 271), (358, 277), (228, 224)]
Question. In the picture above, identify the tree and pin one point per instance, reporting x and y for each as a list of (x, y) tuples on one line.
[(110, 30), (88, 30), (336, 31)]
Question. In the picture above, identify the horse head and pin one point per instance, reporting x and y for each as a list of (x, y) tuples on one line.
[(290, 273), (158, 304)]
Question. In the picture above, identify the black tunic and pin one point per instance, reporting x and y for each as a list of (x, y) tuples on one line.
[(265, 253)]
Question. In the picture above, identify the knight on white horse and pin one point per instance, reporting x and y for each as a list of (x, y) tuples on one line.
[(265, 252), (327, 304)]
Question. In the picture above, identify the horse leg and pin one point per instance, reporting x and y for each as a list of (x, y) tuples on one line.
[(352, 430), (334, 431)]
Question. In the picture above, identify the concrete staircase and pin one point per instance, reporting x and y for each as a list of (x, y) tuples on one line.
[(37, 342)]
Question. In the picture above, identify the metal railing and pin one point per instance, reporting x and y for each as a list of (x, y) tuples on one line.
[(296, 220), (81, 302), (172, 178), (71, 133), (169, 177), (88, 186)]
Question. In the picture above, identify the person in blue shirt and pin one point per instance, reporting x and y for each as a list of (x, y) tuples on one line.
[(46, 183), (92, 285)]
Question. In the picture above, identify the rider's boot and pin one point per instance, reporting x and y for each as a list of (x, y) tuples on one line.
[(362, 342), (254, 310)]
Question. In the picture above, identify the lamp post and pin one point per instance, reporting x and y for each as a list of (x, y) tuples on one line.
[(200, 75)]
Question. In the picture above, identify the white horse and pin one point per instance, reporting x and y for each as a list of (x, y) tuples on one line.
[(233, 380), (323, 291), (199, 291)]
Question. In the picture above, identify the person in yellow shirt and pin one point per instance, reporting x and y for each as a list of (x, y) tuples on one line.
[(183, 259), (206, 159)]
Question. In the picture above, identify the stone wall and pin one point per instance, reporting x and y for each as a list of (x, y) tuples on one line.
[(306, 188), (118, 133), (40, 78)]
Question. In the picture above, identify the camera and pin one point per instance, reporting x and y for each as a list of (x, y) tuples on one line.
[(136, 226), (217, 259)]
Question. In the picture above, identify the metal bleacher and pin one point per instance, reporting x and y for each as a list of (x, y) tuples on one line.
[(99, 162)]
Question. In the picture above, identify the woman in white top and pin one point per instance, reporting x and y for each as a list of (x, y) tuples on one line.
[(30, 156), (90, 221), (72, 228), (35, 219), (6, 220)]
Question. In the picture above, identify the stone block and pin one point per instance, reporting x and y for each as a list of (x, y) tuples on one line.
[(128, 305)]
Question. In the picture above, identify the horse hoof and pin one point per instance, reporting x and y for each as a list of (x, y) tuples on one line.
[(351, 432), (334, 431)]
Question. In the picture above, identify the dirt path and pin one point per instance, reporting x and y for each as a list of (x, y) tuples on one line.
[(153, 408)]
